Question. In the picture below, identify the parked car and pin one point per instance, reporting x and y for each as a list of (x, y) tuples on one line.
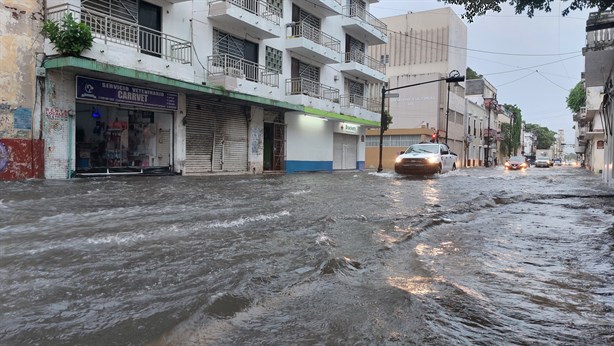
[(542, 161), (516, 163), (426, 158)]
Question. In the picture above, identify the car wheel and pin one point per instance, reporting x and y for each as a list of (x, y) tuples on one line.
[(439, 169), (454, 167)]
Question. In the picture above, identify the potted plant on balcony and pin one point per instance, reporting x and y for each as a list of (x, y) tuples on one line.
[(69, 37)]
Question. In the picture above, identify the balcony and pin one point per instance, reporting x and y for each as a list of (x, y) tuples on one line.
[(309, 41), (361, 107), (109, 30), (358, 64), (321, 8), (256, 17), (312, 93), (361, 24), (228, 70), (490, 133), (580, 116)]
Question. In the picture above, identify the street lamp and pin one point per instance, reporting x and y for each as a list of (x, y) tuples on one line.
[(384, 119), (452, 74), (490, 103)]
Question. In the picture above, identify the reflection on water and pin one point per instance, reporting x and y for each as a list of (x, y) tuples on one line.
[(343, 258)]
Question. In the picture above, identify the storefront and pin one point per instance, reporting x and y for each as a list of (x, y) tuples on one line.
[(216, 136), (345, 146), (122, 129)]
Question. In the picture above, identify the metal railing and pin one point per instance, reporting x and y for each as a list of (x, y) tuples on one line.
[(297, 86), (363, 59), (310, 32), (115, 30), (360, 13), (361, 102), (258, 7), (228, 65)]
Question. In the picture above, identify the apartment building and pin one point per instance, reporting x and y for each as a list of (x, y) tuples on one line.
[(198, 87), (423, 47), (594, 122)]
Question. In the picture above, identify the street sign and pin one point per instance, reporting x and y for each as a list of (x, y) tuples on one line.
[(390, 96)]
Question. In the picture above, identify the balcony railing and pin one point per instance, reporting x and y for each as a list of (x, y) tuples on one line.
[(258, 7), (363, 59), (360, 13), (361, 102), (491, 134), (228, 65), (297, 86), (600, 38), (308, 31), (115, 30)]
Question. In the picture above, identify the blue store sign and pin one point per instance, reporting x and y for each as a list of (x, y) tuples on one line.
[(101, 90)]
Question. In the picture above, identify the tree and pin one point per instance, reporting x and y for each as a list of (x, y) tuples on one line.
[(511, 135), (545, 137), (576, 98), (69, 37), (471, 74), (475, 8)]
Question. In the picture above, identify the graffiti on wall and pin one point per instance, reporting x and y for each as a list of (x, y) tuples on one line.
[(56, 114), (256, 140)]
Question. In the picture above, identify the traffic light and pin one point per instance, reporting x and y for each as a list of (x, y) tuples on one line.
[(434, 138)]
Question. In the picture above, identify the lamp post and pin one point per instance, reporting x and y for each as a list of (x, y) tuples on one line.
[(491, 102), (452, 74), (384, 120)]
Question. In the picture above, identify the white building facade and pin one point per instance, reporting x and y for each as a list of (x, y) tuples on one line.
[(198, 87)]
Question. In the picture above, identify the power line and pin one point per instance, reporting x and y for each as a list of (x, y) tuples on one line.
[(531, 67), (515, 80), (520, 68)]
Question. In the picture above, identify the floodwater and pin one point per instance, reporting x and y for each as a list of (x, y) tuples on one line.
[(475, 256)]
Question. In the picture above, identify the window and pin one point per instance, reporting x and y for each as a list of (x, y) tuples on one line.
[(402, 141), (384, 59), (273, 59)]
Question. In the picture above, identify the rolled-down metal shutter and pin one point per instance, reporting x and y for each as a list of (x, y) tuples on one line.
[(216, 136), (345, 151)]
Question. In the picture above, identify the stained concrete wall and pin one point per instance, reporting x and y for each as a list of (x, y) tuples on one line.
[(20, 43)]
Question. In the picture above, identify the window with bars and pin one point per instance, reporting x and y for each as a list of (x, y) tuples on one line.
[(273, 59), (402, 141)]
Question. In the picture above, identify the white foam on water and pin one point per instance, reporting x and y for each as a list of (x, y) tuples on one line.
[(243, 220), (300, 192), (384, 174)]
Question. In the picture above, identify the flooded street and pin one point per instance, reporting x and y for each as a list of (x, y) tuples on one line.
[(475, 256)]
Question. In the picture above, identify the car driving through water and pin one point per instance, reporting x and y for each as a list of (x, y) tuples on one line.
[(425, 158), (516, 163)]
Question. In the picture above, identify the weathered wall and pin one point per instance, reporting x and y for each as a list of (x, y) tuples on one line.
[(20, 22)]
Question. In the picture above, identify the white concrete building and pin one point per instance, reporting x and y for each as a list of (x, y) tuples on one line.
[(484, 95), (196, 87)]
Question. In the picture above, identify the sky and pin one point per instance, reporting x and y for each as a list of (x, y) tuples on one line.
[(533, 62)]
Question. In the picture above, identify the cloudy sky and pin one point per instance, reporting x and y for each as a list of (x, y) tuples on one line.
[(533, 62)]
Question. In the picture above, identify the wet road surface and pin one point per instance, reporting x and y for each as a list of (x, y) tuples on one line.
[(475, 256)]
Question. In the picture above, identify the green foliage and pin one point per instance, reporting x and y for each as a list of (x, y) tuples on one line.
[(510, 132), (545, 137), (471, 74), (70, 37), (388, 120), (576, 98), (475, 8)]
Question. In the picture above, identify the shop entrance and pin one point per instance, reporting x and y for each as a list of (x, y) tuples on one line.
[(274, 145), (114, 140)]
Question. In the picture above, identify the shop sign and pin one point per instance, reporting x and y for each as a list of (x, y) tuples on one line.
[(101, 90), (349, 128), (600, 144), (56, 114)]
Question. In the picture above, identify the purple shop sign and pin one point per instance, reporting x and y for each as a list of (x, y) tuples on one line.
[(102, 90)]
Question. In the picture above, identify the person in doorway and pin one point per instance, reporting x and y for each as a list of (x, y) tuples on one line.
[(495, 162)]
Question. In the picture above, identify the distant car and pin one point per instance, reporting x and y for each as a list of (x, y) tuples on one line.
[(516, 163), (557, 162), (425, 158), (542, 162)]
